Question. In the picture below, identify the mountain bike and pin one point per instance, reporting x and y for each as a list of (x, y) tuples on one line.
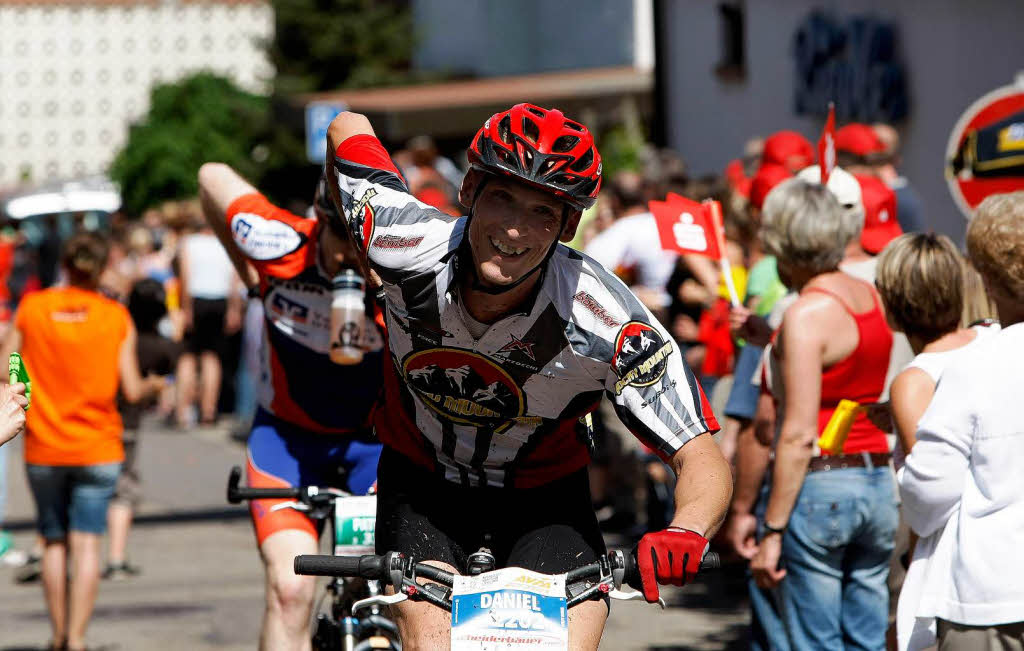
[(492, 609), (352, 520)]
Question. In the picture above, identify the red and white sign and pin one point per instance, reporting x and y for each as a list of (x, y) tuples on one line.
[(985, 152), (686, 226)]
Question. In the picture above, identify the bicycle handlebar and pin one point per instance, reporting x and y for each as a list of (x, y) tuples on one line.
[(372, 566), (236, 494)]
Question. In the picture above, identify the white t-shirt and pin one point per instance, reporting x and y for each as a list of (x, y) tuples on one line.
[(964, 478), (208, 268), (633, 241), (928, 576)]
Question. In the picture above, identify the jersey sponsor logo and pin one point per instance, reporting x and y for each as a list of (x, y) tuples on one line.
[(589, 302), (362, 216), (641, 356), (264, 239), (289, 308), (465, 387), (517, 344), (396, 241)]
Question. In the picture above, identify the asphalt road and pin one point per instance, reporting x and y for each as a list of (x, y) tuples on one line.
[(202, 585)]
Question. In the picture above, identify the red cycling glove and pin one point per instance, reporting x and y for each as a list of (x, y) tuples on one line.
[(669, 557)]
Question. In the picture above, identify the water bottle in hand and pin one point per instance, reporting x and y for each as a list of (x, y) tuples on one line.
[(347, 317)]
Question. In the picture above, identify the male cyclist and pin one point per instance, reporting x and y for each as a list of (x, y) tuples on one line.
[(500, 339), (314, 414)]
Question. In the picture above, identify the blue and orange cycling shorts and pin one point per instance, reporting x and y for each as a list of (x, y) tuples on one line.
[(283, 455)]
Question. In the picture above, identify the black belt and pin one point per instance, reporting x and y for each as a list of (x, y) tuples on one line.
[(856, 460)]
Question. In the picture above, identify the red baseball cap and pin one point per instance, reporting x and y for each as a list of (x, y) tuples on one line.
[(767, 177), (737, 178), (859, 140), (789, 149), (880, 224)]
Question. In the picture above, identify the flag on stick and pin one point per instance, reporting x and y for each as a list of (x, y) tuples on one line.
[(685, 226), (827, 145)]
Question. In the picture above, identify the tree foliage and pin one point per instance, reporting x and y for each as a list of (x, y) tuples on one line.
[(322, 45), (201, 118)]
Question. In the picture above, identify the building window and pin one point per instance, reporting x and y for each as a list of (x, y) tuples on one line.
[(52, 167), (103, 76), (732, 62), (78, 137), (102, 45), (24, 138), (51, 138), (50, 108)]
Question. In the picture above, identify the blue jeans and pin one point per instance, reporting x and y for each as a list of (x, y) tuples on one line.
[(72, 497), (767, 630), (836, 553)]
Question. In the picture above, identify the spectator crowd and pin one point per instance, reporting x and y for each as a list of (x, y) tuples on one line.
[(866, 385)]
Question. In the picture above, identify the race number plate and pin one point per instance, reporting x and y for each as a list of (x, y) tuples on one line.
[(354, 520), (511, 608)]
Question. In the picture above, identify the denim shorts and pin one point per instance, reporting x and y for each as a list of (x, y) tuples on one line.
[(72, 497)]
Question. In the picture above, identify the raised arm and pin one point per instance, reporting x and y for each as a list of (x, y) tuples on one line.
[(219, 186)]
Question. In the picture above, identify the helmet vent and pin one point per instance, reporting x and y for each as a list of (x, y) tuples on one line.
[(505, 130), (531, 130), (573, 126), (536, 111), (564, 144), (585, 161)]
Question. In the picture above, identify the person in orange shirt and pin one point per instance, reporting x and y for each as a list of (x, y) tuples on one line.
[(78, 347)]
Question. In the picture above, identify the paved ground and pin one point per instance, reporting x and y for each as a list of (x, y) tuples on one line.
[(201, 587)]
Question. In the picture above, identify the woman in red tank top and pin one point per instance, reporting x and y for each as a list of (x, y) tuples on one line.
[(830, 520)]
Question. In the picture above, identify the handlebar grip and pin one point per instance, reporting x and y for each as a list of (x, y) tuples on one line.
[(236, 474), (631, 571), (367, 567), (236, 494)]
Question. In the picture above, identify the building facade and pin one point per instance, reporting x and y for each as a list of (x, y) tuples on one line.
[(75, 74)]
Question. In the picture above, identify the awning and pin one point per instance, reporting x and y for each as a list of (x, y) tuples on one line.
[(457, 108)]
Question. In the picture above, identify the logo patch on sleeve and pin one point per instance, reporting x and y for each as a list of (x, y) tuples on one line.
[(641, 356), (264, 239)]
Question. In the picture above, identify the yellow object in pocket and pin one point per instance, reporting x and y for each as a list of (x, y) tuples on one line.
[(833, 438)]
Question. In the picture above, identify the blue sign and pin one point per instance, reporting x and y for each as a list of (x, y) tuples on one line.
[(318, 118)]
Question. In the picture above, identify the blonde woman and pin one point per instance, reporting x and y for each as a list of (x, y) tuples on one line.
[(830, 518), (909, 270), (963, 476)]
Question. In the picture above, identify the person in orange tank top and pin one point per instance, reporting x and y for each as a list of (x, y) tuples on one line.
[(78, 347), (830, 519)]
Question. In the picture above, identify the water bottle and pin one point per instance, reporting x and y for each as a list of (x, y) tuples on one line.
[(347, 317)]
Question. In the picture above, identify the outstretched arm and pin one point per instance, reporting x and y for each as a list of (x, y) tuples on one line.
[(219, 186), (343, 127)]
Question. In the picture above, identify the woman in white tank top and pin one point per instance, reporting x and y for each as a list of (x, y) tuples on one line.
[(920, 280)]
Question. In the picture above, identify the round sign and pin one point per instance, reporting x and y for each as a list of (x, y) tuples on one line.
[(985, 153)]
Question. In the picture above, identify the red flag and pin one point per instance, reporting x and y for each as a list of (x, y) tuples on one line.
[(685, 226), (827, 145)]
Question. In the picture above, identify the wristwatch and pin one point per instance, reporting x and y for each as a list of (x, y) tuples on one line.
[(770, 529)]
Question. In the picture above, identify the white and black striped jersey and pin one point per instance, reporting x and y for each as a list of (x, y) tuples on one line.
[(502, 410)]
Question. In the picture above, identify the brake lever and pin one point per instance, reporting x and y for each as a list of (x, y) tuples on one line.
[(380, 600), (632, 596)]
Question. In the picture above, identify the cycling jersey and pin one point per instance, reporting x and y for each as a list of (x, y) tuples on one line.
[(299, 384), (501, 410)]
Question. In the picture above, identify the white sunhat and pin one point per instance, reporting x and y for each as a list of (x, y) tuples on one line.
[(842, 184)]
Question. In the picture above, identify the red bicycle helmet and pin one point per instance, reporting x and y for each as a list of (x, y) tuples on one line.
[(543, 148)]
